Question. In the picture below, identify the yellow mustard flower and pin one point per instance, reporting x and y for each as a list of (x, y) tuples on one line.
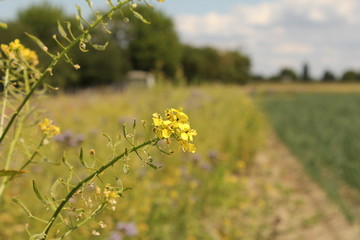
[(175, 124), (48, 129), (110, 194), (15, 47)]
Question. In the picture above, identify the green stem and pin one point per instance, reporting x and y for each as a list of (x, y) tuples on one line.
[(6, 82), (97, 210), (15, 140), (36, 152), (55, 61), (13, 143), (87, 179)]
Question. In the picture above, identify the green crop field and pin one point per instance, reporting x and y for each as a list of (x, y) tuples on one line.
[(323, 132)]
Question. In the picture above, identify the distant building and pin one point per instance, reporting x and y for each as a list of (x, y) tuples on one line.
[(140, 79)]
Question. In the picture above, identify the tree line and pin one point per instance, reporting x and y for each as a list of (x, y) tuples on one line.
[(131, 45), (287, 74)]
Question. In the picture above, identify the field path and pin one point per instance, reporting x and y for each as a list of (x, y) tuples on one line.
[(302, 210)]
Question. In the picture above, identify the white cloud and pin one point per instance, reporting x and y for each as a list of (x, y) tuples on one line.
[(291, 31), (293, 48)]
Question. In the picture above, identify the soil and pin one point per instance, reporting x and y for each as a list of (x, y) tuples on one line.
[(302, 209)]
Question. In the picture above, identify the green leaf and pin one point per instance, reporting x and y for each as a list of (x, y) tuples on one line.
[(153, 166), (38, 42), (6, 173), (81, 158), (107, 137), (79, 23), (139, 16), (67, 164), (89, 3), (37, 193), (120, 185), (22, 205), (62, 31), (100, 47), (68, 26), (108, 2), (53, 188)]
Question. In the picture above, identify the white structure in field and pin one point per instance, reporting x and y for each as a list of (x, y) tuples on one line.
[(140, 79)]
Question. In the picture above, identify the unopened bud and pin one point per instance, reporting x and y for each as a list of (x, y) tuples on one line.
[(92, 153)]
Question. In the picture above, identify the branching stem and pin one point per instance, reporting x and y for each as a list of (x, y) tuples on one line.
[(56, 59), (89, 178)]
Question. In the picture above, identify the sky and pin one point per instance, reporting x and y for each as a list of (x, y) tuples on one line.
[(274, 33)]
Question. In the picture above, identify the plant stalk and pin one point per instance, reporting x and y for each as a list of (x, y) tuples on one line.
[(54, 62), (87, 179)]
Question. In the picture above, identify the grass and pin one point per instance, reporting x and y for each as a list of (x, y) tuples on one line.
[(202, 196), (322, 131)]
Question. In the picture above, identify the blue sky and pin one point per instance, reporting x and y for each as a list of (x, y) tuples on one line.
[(172, 7), (274, 33)]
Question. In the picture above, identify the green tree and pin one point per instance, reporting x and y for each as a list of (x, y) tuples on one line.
[(350, 76), (207, 64), (328, 76), (287, 74), (201, 64), (104, 67), (305, 73), (235, 67), (41, 21), (152, 47)]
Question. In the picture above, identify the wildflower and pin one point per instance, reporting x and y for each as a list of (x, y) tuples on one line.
[(128, 228), (15, 47), (110, 195), (69, 139), (92, 153), (102, 224), (48, 129), (175, 124)]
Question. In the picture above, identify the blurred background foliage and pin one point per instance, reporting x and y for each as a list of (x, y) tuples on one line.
[(154, 47), (133, 45), (207, 195)]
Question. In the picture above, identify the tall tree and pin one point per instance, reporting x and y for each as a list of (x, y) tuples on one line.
[(155, 46), (235, 67), (41, 21), (328, 76), (305, 73)]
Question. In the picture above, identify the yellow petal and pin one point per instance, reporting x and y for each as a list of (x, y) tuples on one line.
[(184, 136), (166, 133)]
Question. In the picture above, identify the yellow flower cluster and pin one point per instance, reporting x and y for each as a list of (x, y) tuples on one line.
[(15, 47), (110, 194), (48, 128), (175, 124)]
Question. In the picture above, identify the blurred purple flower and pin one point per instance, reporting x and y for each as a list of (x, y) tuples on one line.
[(126, 120), (114, 235), (69, 139), (213, 155), (206, 166), (128, 228), (196, 158)]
